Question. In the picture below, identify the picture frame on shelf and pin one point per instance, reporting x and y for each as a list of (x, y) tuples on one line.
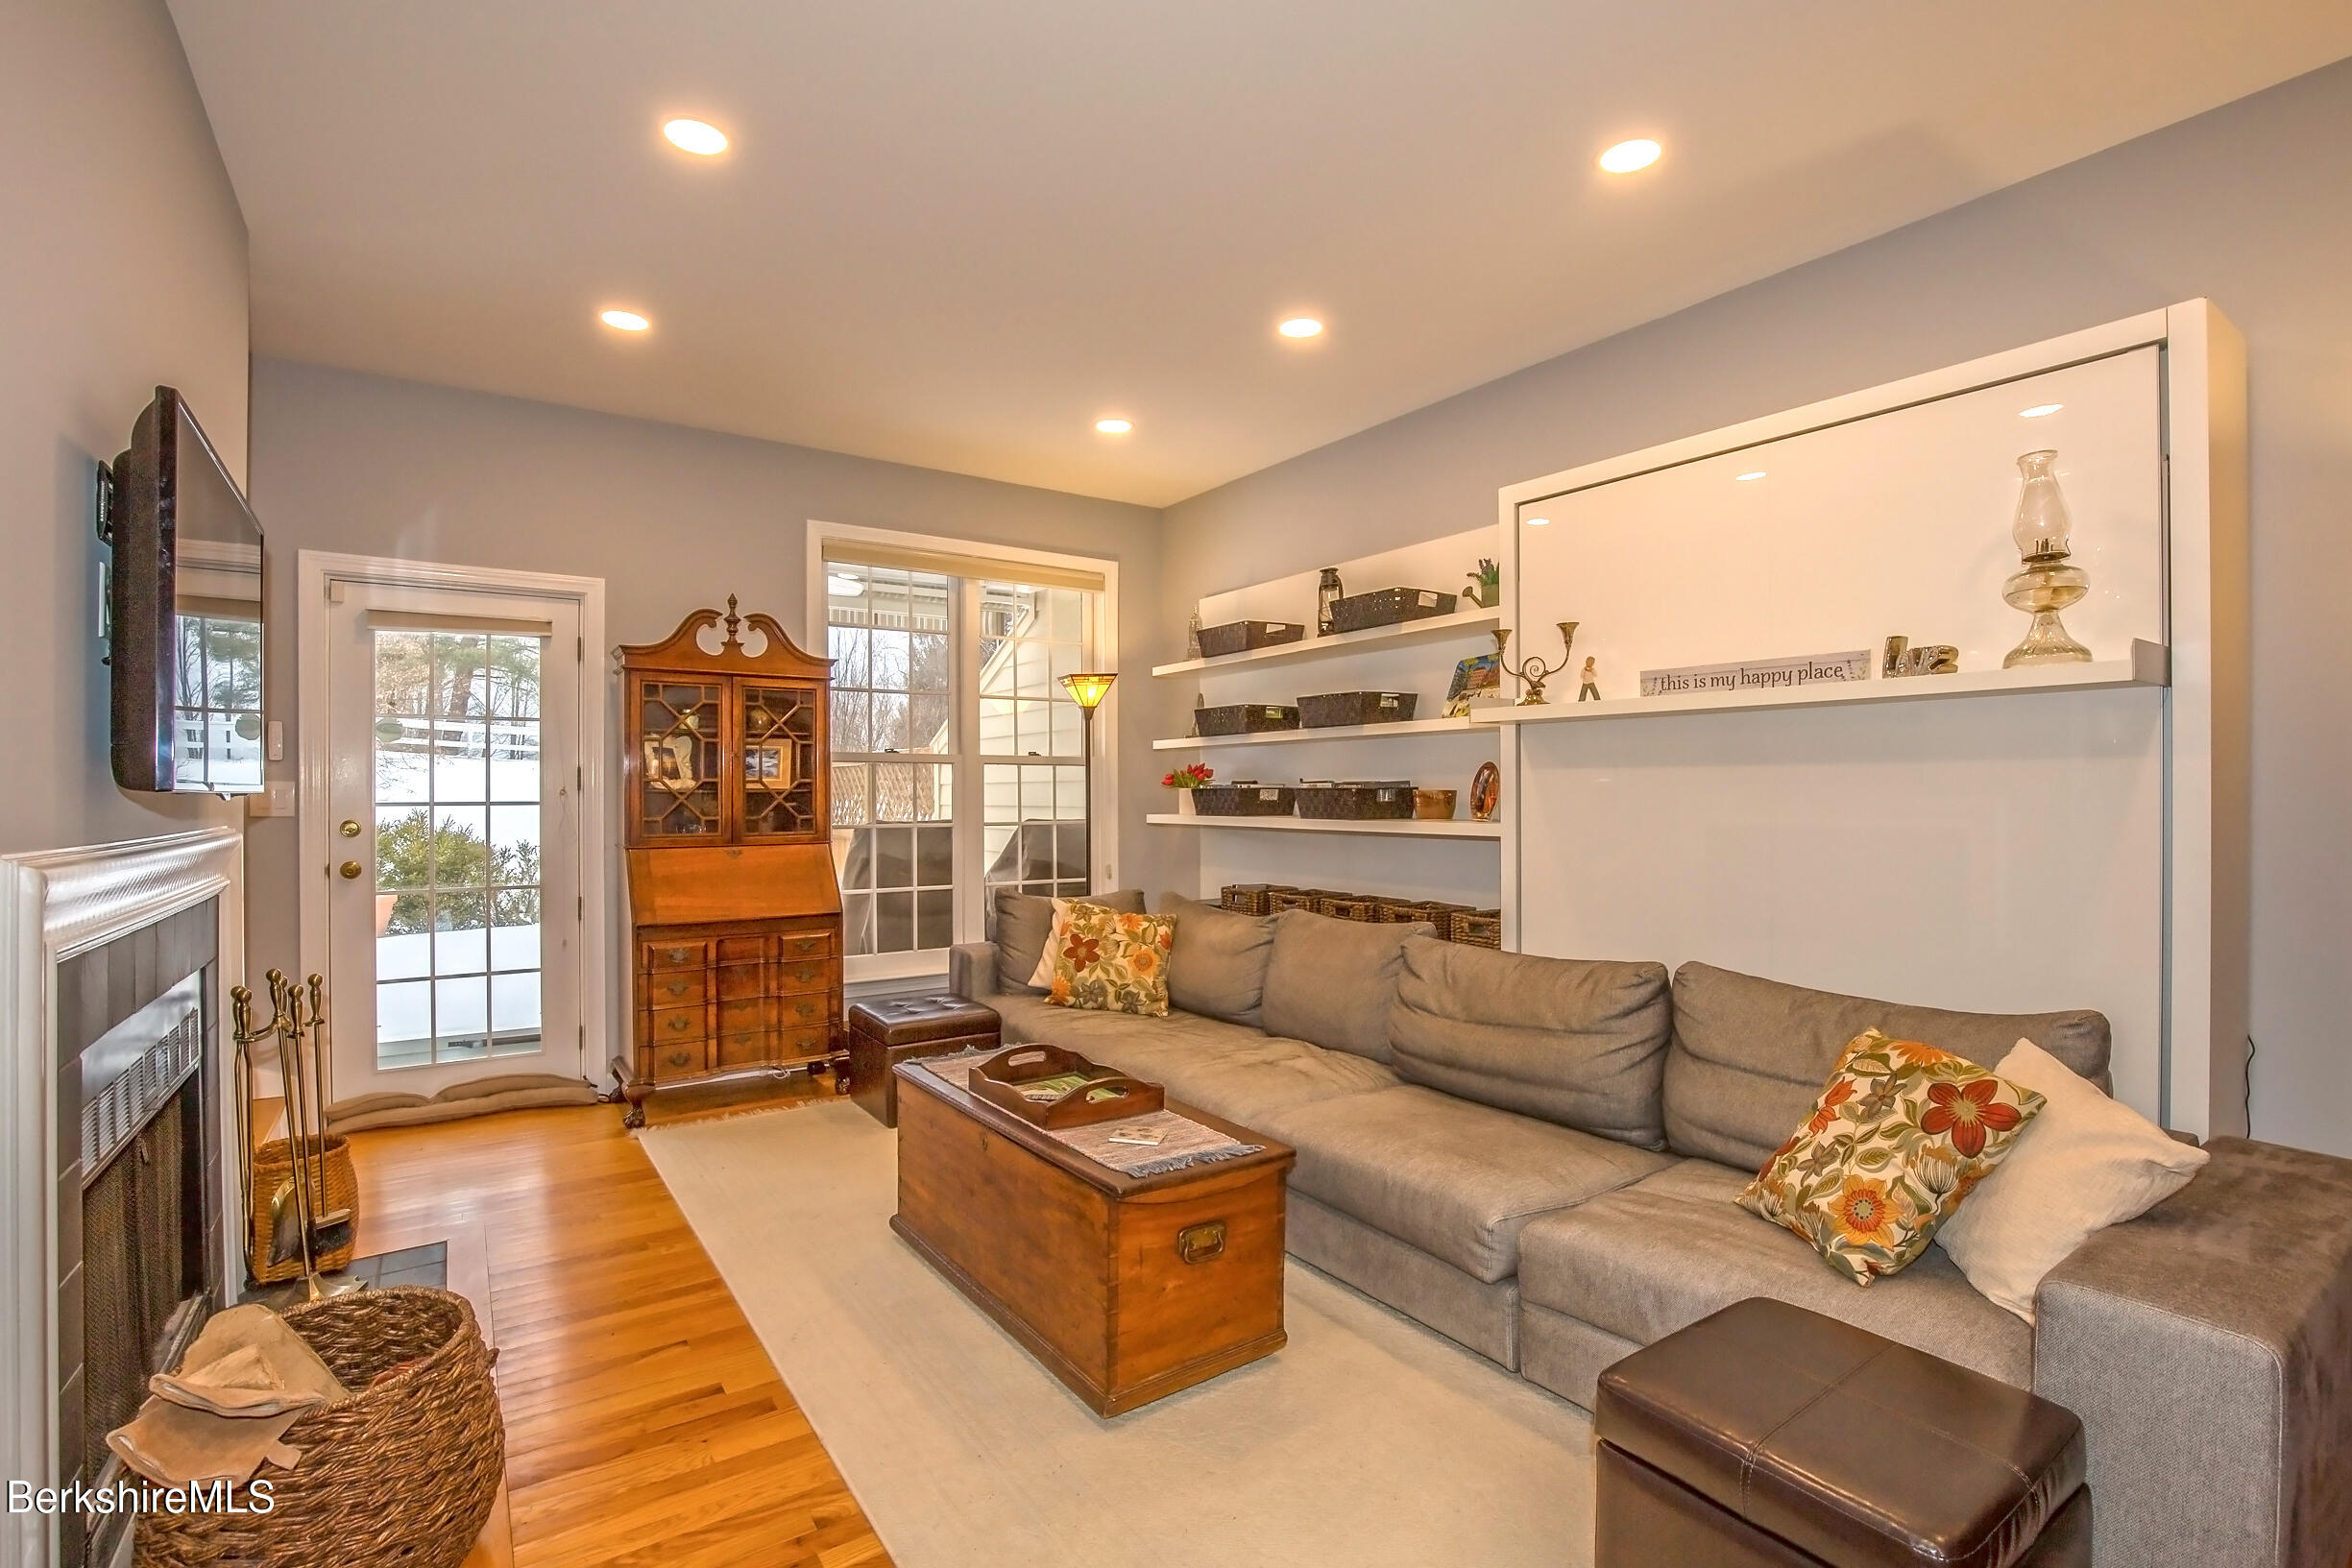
[(1477, 676)]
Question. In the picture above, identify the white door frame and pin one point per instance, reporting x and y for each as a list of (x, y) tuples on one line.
[(314, 572)]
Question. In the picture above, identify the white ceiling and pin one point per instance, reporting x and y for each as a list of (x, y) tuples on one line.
[(954, 234)]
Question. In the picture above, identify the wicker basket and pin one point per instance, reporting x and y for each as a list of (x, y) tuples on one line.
[(331, 1173), (1241, 636), (1242, 798), (1280, 899), (403, 1472), (1349, 906), (1352, 802), (1245, 718), (1250, 898), (1475, 928), (1333, 710), (1389, 606)]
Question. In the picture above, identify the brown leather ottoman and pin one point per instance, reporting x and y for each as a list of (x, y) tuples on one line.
[(1769, 1436), (900, 1029)]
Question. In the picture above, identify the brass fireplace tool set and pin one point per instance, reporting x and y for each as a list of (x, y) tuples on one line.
[(303, 1191)]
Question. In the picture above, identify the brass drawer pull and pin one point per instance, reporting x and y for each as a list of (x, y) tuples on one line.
[(679, 955), (677, 988), (1198, 1244), (679, 1058), (680, 1023), (807, 1009)]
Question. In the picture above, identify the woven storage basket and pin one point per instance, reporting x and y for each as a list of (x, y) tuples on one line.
[(1250, 898), (1349, 906), (403, 1472), (1280, 899), (331, 1173), (1475, 928)]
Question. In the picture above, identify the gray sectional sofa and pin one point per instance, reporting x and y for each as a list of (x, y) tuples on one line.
[(1537, 1157)]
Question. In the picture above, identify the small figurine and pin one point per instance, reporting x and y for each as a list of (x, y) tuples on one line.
[(1589, 688)]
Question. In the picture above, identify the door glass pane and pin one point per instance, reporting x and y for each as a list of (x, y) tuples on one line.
[(458, 830)]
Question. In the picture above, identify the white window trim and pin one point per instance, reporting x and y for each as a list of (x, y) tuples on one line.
[(315, 572), (1101, 806)]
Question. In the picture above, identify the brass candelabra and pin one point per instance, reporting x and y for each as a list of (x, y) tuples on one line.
[(1534, 671)]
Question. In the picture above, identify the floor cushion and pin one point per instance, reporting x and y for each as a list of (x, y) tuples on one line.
[(1454, 1178), (1655, 1257)]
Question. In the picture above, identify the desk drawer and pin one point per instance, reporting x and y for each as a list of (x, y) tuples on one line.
[(673, 987), (660, 955), (793, 945), (677, 1026), (675, 1060), (805, 977)]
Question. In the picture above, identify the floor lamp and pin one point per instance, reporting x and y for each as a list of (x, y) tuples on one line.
[(1088, 690)]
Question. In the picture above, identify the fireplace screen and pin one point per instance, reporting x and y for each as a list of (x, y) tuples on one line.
[(142, 1233)]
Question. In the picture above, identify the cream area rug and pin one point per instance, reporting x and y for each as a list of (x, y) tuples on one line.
[(1367, 1441)]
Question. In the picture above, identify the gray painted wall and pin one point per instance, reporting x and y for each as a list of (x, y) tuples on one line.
[(671, 518), (2250, 205), (124, 256)]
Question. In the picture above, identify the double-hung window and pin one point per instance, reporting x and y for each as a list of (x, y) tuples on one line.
[(958, 757)]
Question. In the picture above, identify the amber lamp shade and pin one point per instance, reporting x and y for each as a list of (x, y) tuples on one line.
[(1088, 690)]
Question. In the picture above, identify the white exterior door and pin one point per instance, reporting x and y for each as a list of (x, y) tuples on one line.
[(455, 853)]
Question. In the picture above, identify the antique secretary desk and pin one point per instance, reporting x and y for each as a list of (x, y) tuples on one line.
[(735, 916)]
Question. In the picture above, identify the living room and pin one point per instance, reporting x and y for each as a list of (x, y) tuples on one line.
[(922, 786)]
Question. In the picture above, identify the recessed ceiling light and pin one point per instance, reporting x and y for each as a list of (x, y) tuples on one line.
[(624, 321), (1114, 428), (1743, 478), (1300, 326), (2038, 411), (1626, 157), (1538, 522), (696, 137)]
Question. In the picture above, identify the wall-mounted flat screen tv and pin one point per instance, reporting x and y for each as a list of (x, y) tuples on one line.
[(183, 601)]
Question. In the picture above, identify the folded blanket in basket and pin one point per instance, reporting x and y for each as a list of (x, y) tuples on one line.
[(220, 1413)]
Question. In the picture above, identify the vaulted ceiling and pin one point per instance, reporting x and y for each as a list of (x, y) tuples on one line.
[(957, 234)]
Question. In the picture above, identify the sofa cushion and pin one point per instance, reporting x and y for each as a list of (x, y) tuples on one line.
[(1332, 981), (1749, 1056), (1219, 966), (1226, 1069), (1456, 1179), (1573, 1040), (1660, 1254), (1020, 923)]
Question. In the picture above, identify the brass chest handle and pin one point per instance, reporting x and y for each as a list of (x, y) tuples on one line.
[(1198, 1244)]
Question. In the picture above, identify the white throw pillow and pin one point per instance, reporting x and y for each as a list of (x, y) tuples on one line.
[(2087, 1162)]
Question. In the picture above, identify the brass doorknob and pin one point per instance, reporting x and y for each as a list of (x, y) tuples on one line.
[(349, 829), (349, 870)]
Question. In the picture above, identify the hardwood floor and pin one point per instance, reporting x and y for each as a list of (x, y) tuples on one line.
[(644, 1422)]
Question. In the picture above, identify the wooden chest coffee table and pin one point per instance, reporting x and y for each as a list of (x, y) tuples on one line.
[(1127, 1288)]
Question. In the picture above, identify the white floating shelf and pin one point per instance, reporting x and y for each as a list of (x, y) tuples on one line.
[(2148, 665), (1406, 828), (1461, 623), (1336, 732)]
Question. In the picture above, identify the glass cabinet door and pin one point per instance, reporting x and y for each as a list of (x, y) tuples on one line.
[(678, 735), (780, 762)]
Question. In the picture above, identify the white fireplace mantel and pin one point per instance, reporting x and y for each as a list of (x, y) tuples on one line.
[(54, 904)]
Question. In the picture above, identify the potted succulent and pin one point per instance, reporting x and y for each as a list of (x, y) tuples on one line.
[(1485, 585), (1184, 780)]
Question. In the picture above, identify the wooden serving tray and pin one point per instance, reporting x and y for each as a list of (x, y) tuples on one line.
[(1082, 1092)]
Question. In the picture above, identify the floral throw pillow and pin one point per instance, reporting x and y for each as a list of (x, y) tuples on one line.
[(1898, 1138), (1107, 961)]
